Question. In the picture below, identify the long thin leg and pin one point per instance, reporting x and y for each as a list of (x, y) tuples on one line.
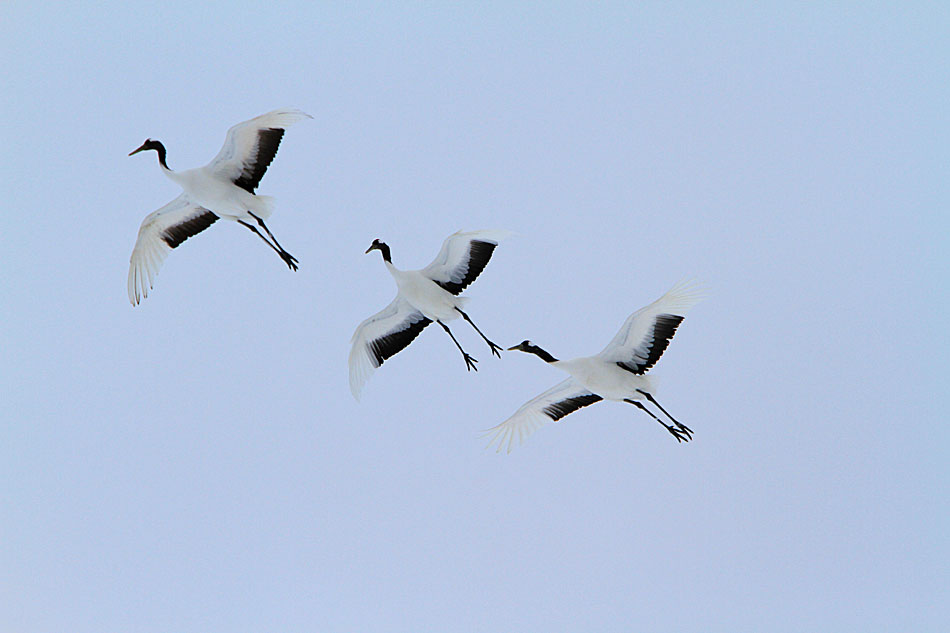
[(284, 255), (494, 348), (469, 361), (254, 230), (677, 433), (653, 400)]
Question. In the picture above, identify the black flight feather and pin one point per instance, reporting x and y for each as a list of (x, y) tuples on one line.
[(663, 330), (267, 143), (175, 235), (479, 253), (558, 410), (389, 344)]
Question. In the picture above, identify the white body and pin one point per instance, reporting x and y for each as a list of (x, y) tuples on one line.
[(606, 378), (426, 296), (206, 188)]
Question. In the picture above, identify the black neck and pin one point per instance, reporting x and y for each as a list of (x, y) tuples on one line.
[(159, 149), (161, 154), (384, 249), (540, 353)]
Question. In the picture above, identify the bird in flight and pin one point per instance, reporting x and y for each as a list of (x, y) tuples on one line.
[(424, 296), (224, 188), (617, 373)]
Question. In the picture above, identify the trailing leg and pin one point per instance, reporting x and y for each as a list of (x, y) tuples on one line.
[(289, 259), (494, 348), (680, 426), (677, 433), (284, 255), (469, 361)]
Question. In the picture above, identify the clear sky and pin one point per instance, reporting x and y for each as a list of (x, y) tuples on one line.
[(197, 463)]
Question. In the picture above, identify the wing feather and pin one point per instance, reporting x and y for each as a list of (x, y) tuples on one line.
[(552, 405), (381, 336), (161, 231), (646, 333), (462, 258), (250, 147)]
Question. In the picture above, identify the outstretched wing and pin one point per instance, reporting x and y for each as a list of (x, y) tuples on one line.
[(250, 147), (552, 405), (463, 258), (161, 231), (646, 333), (381, 336)]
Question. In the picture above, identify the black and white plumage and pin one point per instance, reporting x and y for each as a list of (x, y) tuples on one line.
[(617, 373), (426, 295), (224, 188)]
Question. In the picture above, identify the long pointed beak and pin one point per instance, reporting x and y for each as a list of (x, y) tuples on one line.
[(369, 249), (516, 347), (136, 151)]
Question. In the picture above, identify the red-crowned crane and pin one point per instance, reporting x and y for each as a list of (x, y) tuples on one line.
[(424, 296), (617, 373), (224, 188)]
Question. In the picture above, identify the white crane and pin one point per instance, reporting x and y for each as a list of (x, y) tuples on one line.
[(617, 373), (424, 296), (224, 188)]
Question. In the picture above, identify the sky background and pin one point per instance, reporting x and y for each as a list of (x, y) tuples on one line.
[(197, 463)]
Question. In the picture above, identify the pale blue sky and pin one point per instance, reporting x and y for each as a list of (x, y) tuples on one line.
[(198, 464)]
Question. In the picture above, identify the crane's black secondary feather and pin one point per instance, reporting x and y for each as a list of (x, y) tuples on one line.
[(650, 350), (175, 235), (267, 143), (558, 410), (479, 253), (397, 340)]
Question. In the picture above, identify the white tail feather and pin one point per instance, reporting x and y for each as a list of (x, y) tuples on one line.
[(265, 206)]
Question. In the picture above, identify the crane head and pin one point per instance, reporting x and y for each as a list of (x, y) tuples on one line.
[(382, 247), (147, 145), (523, 346)]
